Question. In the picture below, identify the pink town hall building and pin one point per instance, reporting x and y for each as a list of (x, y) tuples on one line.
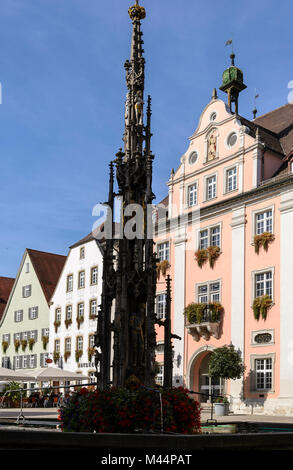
[(226, 231)]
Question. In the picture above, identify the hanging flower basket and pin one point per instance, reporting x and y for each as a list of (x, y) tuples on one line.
[(45, 340), (56, 356), (162, 267), (92, 316), (78, 354), (23, 344), (5, 345), (91, 353), (263, 240), (68, 322), (66, 355), (57, 323), (31, 343), (261, 305), (201, 257), (213, 253), (79, 320), (16, 345)]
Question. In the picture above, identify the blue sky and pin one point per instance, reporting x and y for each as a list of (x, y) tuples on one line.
[(61, 119)]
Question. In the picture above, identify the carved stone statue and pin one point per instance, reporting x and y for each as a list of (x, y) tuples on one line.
[(137, 336), (139, 107), (212, 147)]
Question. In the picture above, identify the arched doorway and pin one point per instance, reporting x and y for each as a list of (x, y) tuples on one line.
[(207, 386), (198, 378)]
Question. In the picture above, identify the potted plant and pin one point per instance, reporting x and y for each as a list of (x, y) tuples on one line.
[(91, 353), (263, 240), (5, 345), (45, 340), (201, 257), (79, 320), (56, 356), (221, 406), (213, 254), (57, 323), (23, 344), (162, 267), (68, 322), (16, 345), (66, 355), (78, 354), (225, 363), (261, 306), (31, 343)]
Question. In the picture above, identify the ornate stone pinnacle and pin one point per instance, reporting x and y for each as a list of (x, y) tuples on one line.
[(137, 12)]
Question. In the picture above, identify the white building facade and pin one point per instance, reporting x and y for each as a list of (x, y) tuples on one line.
[(74, 308)]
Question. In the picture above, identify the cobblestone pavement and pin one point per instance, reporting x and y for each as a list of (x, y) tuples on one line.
[(261, 418)]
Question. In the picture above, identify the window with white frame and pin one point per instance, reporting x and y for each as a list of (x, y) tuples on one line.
[(81, 279), (92, 377), (45, 332), (91, 341), (210, 237), (58, 314), (93, 307), (6, 362), (94, 275), (231, 179), (160, 375), (18, 315), (264, 284), (79, 343), (163, 251), (57, 345), (192, 195), (33, 361), (80, 310), (25, 362), (33, 313), (211, 187), (82, 252), (264, 373), (17, 362), (67, 344), (69, 312), (27, 291), (69, 283), (6, 338), (43, 359), (264, 222), (161, 306), (33, 334), (209, 292)]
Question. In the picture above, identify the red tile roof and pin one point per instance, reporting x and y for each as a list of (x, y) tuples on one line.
[(6, 284), (48, 267), (279, 121)]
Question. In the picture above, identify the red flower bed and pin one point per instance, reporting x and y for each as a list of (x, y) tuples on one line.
[(126, 411)]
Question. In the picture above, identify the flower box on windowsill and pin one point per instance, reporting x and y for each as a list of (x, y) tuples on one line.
[(203, 320)]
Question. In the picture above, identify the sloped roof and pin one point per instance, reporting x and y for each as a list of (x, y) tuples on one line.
[(6, 284), (48, 267), (268, 137), (93, 235), (280, 122)]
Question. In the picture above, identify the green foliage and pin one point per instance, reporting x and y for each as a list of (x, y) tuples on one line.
[(13, 396), (225, 362), (194, 312), (261, 305), (120, 410)]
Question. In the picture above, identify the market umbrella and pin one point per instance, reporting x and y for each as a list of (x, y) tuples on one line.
[(54, 373), (14, 375)]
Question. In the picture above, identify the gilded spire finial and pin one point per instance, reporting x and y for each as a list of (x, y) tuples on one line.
[(137, 12)]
